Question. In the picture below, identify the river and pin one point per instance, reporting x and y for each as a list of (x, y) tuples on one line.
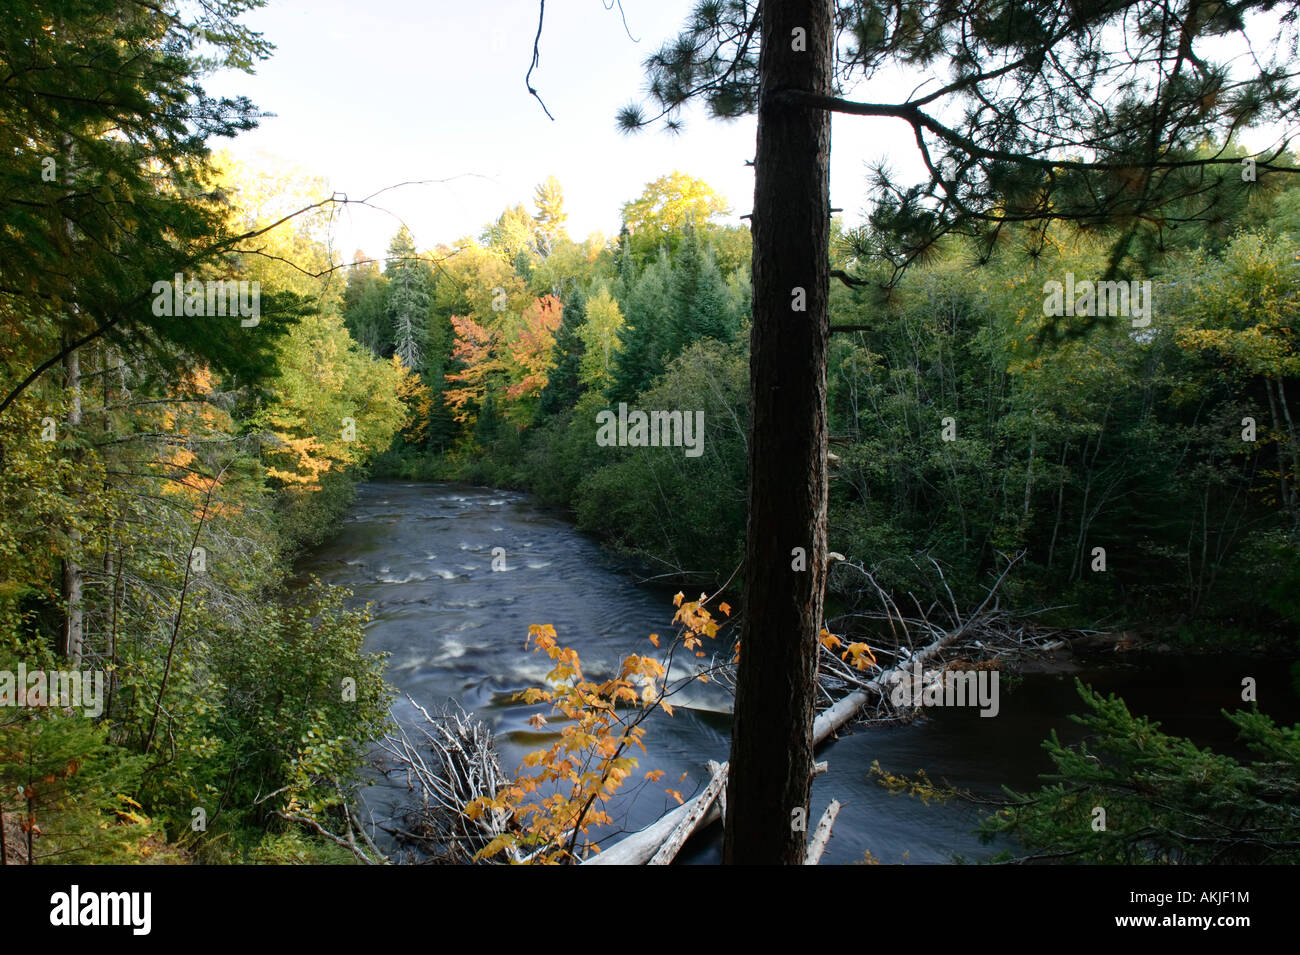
[(422, 555)]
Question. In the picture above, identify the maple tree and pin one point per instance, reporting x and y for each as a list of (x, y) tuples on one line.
[(562, 791), (507, 354), (418, 398), (474, 348), (529, 356)]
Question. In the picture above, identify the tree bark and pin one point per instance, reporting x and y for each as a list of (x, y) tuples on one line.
[(771, 747), (74, 628)]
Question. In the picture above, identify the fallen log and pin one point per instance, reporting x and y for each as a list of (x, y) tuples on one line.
[(817, 845), (640, 847), (692, 820)]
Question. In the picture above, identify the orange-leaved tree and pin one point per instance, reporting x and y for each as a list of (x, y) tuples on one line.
[(530, 359), (475, 350)]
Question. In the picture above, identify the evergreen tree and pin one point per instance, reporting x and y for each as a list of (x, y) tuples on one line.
[(649, 331), (701, 305), (407, 305), (63, 781), (104, 124), (1167, 800), (626, 266), (365, 305), (562, 387)]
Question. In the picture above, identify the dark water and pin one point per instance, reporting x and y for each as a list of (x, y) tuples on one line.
[(421, 555)]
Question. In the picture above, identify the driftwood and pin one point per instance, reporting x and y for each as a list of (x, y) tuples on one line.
[(817, 844), (638, 848), (465, 767), (692, 820), (452, 763)]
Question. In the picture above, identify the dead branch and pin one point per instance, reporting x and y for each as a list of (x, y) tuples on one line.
[(822, 835), (451, 762)]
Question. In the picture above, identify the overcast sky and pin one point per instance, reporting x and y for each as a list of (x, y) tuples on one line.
[(388, 91)]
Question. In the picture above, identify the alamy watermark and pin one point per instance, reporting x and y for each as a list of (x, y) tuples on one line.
[(212, 298), (946, 688), (654, 429), (67, 688), (130, 909), (1114, 299)]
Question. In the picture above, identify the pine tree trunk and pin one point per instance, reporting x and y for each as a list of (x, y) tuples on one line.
[(771, 745)]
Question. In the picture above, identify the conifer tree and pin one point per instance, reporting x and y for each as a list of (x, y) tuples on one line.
[(409, 284), (562, 387), (649, 333)]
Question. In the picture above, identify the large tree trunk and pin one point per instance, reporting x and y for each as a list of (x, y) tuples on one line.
[(771, 743)]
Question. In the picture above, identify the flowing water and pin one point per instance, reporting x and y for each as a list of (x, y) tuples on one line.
[(422, 556)]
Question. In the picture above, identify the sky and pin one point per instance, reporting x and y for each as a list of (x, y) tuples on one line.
[(372, 94)]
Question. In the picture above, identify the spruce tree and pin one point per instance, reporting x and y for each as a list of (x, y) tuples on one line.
[(364, 305), (700, 301), (409, 286), (649, 332), (562, 387)]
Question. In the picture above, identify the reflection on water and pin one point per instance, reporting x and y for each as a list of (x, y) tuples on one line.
[(421, 555)]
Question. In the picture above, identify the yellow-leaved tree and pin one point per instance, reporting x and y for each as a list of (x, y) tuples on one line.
[(335, 406), (562, 791), (417, 397), (600, 338), (1244, 307)]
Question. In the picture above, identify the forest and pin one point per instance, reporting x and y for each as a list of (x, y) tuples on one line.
[(195, 381), (1133, 439)]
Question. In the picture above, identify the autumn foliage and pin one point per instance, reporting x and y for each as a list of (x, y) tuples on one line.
[(563, 791), (503, 353)]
